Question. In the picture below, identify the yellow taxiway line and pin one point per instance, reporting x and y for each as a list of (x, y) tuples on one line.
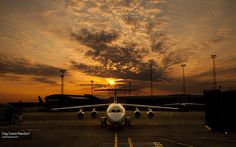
[(116, 140), (130, 142)]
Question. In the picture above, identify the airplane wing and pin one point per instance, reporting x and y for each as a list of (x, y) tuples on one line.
[(150, 106), (196, 104), (184, 104), (79, 107)]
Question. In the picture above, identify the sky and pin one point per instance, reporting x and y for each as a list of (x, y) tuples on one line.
[(101, 39)]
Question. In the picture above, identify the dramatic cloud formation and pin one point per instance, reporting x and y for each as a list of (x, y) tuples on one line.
[(15, 68), (123, 36), (15, 65), (45, 80), (99, 39)]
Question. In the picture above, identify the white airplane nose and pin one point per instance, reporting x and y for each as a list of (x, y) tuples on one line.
[(116, 117)]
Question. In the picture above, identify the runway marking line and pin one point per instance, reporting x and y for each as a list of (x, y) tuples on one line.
[(176, 142), (208, 127), (130, 142), (116, 140)]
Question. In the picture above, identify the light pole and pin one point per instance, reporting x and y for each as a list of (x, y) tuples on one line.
[(129, 88), (214, 71), (151, 78), (184, 88), (125, 88), (92, 86), (62, 80)]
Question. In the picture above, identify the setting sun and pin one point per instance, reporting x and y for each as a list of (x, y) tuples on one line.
[(110, 81)]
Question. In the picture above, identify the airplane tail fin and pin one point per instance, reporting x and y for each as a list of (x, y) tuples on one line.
[(115, 91), (41, 102)]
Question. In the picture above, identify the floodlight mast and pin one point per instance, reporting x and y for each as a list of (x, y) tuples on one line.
[(62, 80), (184, 88), (151, 77), (214, 70), (129, 88), (92, 86)]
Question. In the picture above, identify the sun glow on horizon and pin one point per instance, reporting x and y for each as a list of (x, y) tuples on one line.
[(110, 81)]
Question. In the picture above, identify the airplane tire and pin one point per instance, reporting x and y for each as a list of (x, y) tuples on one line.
[(104, 122), (127, 121)]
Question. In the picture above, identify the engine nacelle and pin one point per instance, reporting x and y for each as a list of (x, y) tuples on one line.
[(80, 114), (150, 113), (94, 113), (137, 113)]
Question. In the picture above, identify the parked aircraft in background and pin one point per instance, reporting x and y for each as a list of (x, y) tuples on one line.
[(64, 100)]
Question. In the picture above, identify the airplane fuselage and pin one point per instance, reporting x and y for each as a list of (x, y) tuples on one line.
[(115, 113)]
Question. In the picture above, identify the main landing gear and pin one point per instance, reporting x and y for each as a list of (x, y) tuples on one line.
[(103, 121), (127, 121)]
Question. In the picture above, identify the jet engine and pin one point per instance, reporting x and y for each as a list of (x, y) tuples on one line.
[(80, 114), (94, 113), (137, 113), (150, 113)]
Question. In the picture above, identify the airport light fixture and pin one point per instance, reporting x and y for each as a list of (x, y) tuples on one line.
[(184, 88)]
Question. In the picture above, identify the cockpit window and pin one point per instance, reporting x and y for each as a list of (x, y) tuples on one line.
[(115, 110)]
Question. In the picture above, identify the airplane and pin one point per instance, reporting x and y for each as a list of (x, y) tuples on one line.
[(115, 112), (186, 106), (66, 100)]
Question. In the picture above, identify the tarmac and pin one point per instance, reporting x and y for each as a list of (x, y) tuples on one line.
[(64, 129)]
